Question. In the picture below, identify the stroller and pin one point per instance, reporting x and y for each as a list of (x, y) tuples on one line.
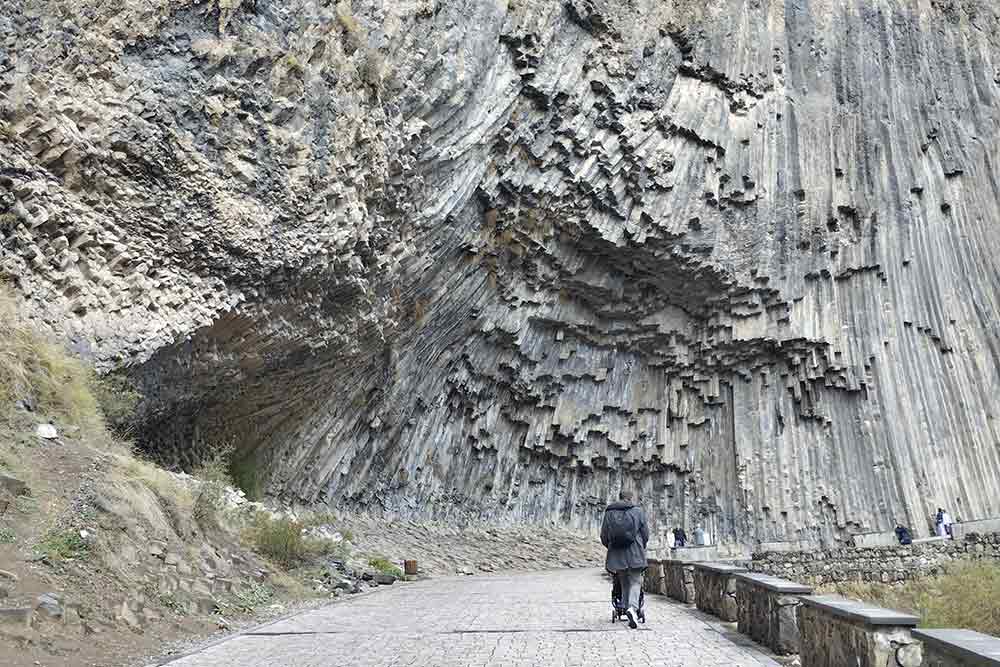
[(618, 608)]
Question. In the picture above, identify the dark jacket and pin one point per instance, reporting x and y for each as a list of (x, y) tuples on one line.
[(634, 555)]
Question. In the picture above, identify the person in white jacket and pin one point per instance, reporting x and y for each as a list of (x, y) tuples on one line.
[(942, 523)]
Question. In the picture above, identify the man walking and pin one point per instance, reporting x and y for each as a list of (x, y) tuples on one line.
[(624, 532)]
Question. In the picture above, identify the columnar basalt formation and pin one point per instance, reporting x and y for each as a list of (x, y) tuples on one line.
[(488, 259)]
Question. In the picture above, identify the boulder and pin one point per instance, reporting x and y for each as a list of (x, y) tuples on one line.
[(383, 579), (46, 432), (129, 617), (206, 605), (16, 621), (13, 485), (49, 606)]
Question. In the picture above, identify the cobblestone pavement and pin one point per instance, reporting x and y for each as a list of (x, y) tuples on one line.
[(550, 619)]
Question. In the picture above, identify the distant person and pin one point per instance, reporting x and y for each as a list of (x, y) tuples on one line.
[(671, 541), (624, 532), (942, 523), (700, 536), (903, 535), (680, 538)]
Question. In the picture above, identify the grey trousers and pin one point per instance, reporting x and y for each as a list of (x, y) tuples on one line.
[(631, 584)]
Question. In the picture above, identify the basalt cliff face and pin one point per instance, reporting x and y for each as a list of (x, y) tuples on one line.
[(496, 260)]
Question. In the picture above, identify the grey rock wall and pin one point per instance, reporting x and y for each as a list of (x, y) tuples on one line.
[(886, 565), (481, 259)]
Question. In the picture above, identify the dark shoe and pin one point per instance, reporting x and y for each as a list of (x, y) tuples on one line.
[(631, 618)]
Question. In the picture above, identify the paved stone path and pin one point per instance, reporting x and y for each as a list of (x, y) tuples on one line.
[(550, 619)]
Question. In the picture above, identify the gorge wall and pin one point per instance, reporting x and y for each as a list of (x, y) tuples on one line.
[(491, 259)]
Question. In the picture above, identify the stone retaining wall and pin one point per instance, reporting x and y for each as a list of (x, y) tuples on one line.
[(826, 630), (678, 580), (716, 589), (836, 632), (766, 610), (958, 648), (653, 582), (983, 527), (879, 564)]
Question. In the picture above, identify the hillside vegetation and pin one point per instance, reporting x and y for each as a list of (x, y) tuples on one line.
[(124, 554), (967, 595)]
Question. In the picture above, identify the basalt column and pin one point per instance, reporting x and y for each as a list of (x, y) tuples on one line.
[(494, 260)]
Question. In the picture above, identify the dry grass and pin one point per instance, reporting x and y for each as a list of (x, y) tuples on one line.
[(214, 475), (350, 24), (162, 501), (37, 371), (118, 399), (966, 596), (420, 310)]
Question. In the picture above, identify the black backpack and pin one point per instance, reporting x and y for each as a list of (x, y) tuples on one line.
[(622, 528)]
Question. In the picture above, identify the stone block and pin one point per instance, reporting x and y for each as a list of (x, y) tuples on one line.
[(16, 617), (716, 589), (960, 530), (786, 547), (678, 580), (766, 610), (869, 540), (836, 632), (49, 606), (13, 485), (695, 554), (126, 615), (201, 587), (653, 582), (222, 585), (958, 648), (205, 605)]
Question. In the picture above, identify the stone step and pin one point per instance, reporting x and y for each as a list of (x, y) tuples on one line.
[(16, 621)]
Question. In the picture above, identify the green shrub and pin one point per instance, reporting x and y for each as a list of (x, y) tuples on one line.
[(214, 475), (59, 545), (384, 566), (7, 535), (170, 601), (292, 64), (118, 399), (281, 540), (251, 596)]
